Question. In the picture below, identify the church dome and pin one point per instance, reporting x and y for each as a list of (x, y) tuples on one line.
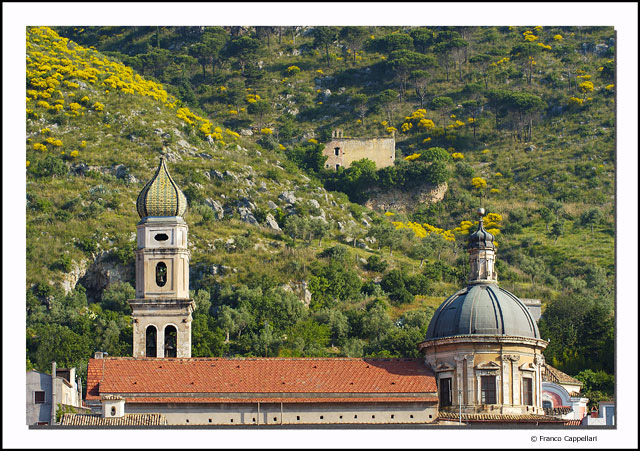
[(482, 309), (161, 196)]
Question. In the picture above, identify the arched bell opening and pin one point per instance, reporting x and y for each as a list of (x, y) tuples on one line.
[(170, 341), (151, 337), (161, 274)]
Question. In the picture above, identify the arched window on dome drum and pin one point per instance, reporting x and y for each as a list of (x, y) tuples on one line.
[(170, 341), (161, 274), (150, 342)]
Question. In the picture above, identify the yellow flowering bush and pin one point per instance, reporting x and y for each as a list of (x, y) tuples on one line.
[(544, 46), (252, 98), (41, 147), (391, 129), (495, 190), (575, 101), (531, 37), (53, 141), (292, 70), (406, 126), (586, 86), (98, 106), (83, 144), (389, 213), (74, 154), (319, 72), (233, 134), (426, 140), (485, 151), (412, 157), (479, 183), (233, 112), (609, 87), (498, 174), (457, 156), (281, 147), (557, 37), (312, 141), (45, 131), (74, 106)]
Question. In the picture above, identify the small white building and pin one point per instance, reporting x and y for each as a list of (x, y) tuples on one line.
[(46, 393)]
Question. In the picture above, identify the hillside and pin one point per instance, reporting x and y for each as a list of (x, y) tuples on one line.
[(527, 131)]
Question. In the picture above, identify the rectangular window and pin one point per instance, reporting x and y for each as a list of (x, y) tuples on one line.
[(39, 397), (445, 392), (527, 391), (337, 151), (488, 389)]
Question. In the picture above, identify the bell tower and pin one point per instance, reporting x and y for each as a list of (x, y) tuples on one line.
[(161, 311)]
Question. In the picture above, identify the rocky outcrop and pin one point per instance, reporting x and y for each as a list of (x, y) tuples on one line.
[(70, 279), (401, 201), (104, 271)]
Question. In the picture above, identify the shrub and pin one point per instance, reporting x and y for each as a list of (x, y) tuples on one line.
[(375, 263)]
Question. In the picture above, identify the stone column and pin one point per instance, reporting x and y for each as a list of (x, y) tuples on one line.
[(459, 378), (515, 378), (470, 398), (538, 361), (506, 398)]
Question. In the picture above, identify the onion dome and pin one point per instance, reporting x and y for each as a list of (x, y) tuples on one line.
[(482, 309), (481, 239), (161, 196)]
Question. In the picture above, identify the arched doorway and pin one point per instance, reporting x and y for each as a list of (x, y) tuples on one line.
[(170, 341), (151, 338)]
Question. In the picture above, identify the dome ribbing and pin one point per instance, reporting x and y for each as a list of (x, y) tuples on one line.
[(482, 309), (161, 195)]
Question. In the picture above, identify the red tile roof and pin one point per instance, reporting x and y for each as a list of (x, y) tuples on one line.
[(573, 422), (127, 375), (130, 419), (552, 374), (497, 418), (261, 399)]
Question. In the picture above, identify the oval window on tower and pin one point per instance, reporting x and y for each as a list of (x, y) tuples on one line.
[(161, 274), (161, 237)]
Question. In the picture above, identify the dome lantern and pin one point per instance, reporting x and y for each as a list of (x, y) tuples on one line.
[(161, 195), (482, 252)]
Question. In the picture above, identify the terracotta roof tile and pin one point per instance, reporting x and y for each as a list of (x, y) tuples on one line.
[(552, 374), (556, 411), (258, 375), (573, 422), (129, 419), (497, 418)]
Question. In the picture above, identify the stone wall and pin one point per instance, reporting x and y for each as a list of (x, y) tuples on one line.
[(292, 413), (382, 151)]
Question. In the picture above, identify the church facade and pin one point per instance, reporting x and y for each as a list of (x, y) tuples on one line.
[(482, 354)]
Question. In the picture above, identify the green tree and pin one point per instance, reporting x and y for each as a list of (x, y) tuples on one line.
[(323, 37), (443, 105), (245, 49), (525, 53), (259, 108), (60, 344), (482, 61), (360, 105), (388, 100), (115, 297), (592, 217), (353, 37), (403, 62)]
